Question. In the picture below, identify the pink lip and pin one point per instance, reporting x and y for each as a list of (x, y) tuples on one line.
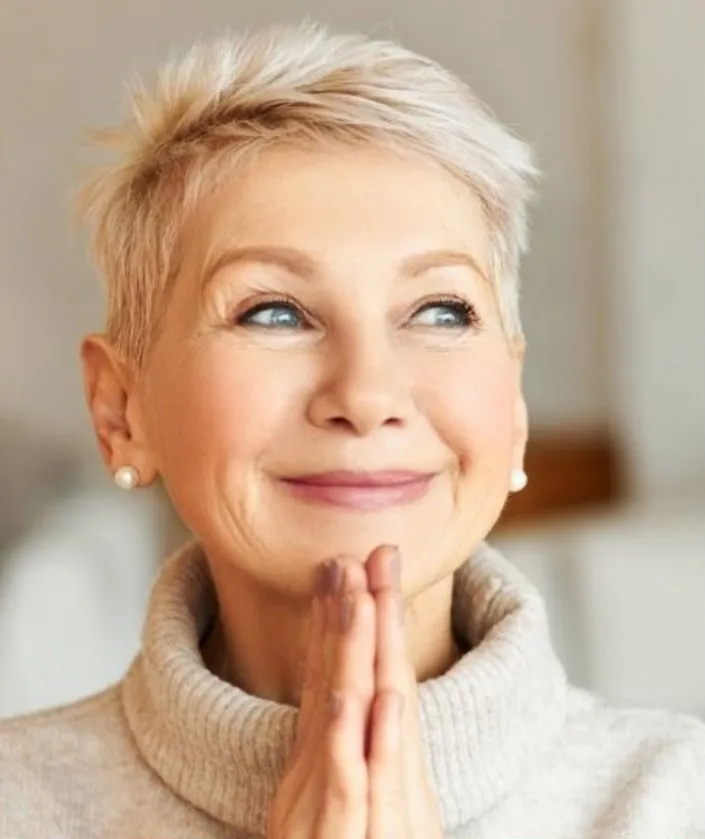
[(361, 490)]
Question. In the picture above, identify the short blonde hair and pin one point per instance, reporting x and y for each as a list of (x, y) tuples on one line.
[(226, 100)]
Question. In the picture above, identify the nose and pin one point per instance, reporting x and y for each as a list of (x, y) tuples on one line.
[(364, 387)]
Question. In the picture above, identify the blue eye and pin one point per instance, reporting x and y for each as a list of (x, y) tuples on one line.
[(450, 314), (273, 315), (281, 315)]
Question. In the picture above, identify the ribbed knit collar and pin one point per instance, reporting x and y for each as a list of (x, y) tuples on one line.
[(484, 722)]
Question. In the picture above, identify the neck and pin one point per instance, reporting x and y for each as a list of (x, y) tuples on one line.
[(269, 664)]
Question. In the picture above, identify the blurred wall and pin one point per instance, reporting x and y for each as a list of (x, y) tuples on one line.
[(654, 209)]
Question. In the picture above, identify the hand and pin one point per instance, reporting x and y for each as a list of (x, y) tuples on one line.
[(324, 791), (357, 773)]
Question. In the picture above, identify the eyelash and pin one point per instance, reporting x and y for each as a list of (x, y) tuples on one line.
[(467, 310)]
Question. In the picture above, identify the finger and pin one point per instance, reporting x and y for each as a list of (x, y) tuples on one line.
[(386, 741), (339, 574), (384, 568), (386, 758), (385, 768), (344, 772), (313, 674), (353, 665), (351, 640), (351, 583), (392, 665)]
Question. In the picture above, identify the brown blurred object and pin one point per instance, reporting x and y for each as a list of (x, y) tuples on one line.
[(568, 472)]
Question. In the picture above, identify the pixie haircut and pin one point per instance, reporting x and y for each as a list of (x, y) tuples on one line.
[(226, 101)]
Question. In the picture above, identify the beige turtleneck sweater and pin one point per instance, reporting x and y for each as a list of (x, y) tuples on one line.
[(172, 752)]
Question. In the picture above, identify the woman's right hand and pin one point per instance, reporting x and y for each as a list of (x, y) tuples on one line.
[(324, 791)]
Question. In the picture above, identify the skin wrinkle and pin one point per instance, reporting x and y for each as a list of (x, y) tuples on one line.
[(305, 266), (220, 410)]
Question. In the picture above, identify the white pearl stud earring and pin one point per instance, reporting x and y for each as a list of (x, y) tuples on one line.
[(518, 480), (126, 477)]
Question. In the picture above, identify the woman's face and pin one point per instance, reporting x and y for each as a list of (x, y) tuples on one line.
[(333, 314)]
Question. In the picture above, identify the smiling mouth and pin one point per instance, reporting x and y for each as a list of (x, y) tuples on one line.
[(361, 491)]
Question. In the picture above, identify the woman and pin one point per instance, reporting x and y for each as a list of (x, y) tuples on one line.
[(311, 247)]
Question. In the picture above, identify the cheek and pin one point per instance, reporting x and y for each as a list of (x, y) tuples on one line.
[(219, 411), (472, 402)]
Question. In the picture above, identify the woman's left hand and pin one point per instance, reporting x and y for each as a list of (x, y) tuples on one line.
[(402, 802)]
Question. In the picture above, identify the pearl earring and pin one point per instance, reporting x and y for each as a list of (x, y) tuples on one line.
[(126, 477), (518, 480)]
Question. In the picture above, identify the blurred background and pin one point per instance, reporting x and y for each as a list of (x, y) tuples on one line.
[(611, 93)]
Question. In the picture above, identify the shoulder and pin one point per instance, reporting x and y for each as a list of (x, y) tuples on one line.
[(66, 727), (643, 728), (91, 734), (53, 761), (652, 753)]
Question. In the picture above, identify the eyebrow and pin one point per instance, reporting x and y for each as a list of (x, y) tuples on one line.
[(304, 266)]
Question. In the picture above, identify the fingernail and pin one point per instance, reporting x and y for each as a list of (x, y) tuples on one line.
[(327, 578), (335, 576), (321, 583)]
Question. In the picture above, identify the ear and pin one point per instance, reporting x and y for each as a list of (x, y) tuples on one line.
[(521, 414), (521, 431), (114, 406)]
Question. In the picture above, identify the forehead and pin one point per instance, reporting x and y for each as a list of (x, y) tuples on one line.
[(342, 202)]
